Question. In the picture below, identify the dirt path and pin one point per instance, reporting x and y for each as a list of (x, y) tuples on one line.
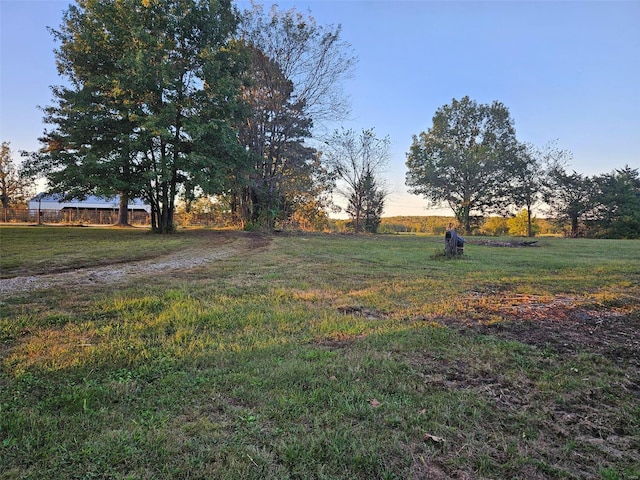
[(187, 259)]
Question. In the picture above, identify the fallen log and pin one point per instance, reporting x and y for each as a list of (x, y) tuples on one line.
[(496, 243)]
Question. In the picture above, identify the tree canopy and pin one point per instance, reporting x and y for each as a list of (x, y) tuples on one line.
[(293, 84), (462, 159), (569, 195), (526, 176), (150, 105), (617, 204)]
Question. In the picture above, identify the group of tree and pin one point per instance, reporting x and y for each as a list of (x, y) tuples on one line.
[(471, 160), (176, 100), (357, 159), (429, 224), (149, 105), (606, 205), (14, 187)]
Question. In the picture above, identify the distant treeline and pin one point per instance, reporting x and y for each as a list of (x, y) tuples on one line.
[(493, 226), (415, 224)]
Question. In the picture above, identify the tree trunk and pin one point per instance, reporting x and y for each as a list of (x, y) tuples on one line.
[(467, 219), (574, 227), (123, 210)]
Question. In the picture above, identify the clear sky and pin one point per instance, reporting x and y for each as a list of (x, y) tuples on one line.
[(568, 71)]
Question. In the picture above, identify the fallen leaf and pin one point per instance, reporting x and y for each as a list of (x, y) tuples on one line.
[(374, 403), (433, 438)]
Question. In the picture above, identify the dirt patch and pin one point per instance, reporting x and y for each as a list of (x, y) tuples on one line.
[(215, 246), (359, 311), (564, 324)]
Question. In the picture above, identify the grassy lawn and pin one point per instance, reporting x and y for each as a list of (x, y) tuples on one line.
[(320, 357), (29, 250)]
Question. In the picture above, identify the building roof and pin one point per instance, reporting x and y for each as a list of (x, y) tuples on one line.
[(56, 201)]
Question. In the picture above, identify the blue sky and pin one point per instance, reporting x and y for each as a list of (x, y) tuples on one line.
[(568, 71)]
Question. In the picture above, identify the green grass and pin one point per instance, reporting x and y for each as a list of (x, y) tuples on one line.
[(328, 357), (42, 249)]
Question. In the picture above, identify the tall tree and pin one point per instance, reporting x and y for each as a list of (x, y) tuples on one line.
[(91, 149), (371, 202), (570, 196), (462, 159), (273, 133), (356, 160), (149, 106), (525, 174), (617, 204), (293, 85)]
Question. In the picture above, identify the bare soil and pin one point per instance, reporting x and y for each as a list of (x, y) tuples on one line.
[(563, 324)]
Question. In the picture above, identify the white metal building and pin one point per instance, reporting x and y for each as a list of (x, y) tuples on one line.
[(44, 201)]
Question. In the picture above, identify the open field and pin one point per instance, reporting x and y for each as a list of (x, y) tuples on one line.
[(233, 355)]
